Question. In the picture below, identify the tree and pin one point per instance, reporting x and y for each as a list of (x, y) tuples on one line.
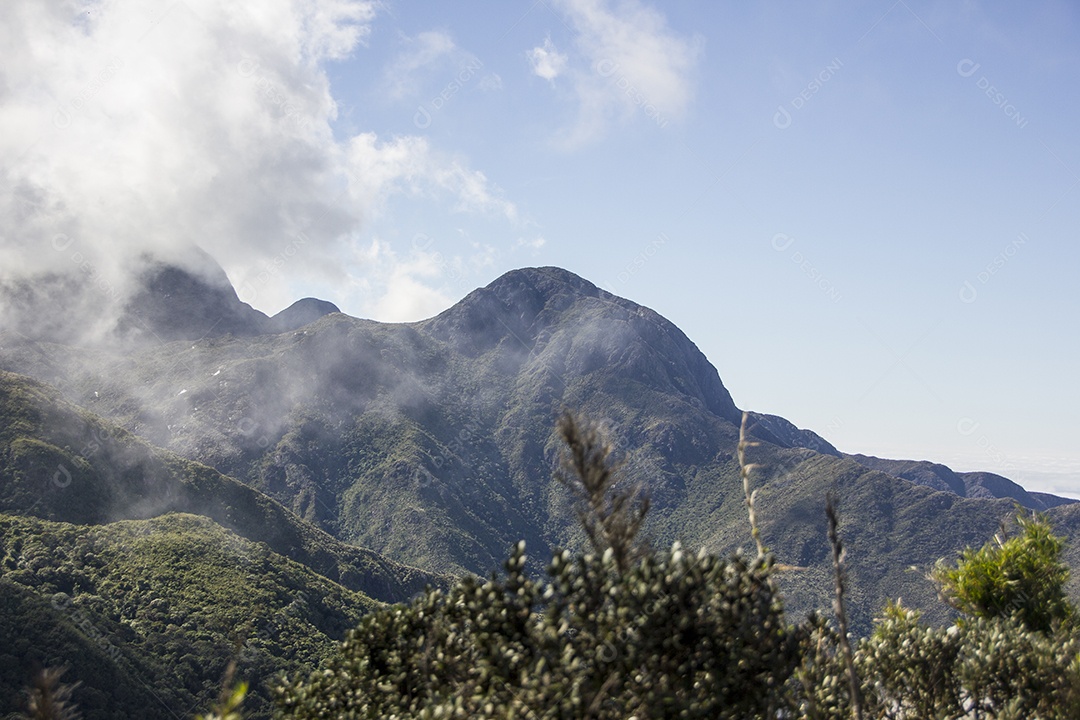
[(1012, 654), (1019, 576)]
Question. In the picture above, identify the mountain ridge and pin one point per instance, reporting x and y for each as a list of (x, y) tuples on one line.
[(193, 300), (431, 442)]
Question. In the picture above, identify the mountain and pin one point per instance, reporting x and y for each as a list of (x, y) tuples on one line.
[(432, 442), (187, 297), (147, 614), (921, 472), (177, 303), (969, 484), (439, 430), (300, 313), (195, 300), (62, 463), (143, 571)]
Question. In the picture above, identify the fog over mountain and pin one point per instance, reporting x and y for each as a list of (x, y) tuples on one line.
[(149, 131), (432, 442), (289, 141)]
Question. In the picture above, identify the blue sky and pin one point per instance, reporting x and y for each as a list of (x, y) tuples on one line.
[(888, 260), (864, 215)]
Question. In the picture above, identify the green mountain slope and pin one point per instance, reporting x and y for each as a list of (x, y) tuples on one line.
[(148, 613), (59, 462)]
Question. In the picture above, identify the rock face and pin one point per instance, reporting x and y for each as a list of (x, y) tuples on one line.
[(193, 299), (582, 329), (300, 313)]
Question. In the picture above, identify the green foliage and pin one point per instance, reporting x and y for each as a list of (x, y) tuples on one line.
[(675, 633), (1014, 656), (818, 688), (615, 633), (986, 667), (1011, 672), (159, 604), (909, 668), (1020, 576)]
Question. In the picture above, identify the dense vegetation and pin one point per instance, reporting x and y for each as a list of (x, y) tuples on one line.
[(144, 573), (149, 613), (624, 631), (61, 462)]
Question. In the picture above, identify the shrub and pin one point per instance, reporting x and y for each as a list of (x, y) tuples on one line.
[(1020, 576)]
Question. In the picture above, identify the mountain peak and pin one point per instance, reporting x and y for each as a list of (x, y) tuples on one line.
[(191, 297), (178, 302), (548, 279), (552, 317), (513, 303), (301, 313)]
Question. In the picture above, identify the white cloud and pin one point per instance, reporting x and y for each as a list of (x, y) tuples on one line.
[(432, 63), (421, 57), (131, 126), (490, 82), (407, 164), (534, 244), (546, 60), (399, 289), (631, 65)]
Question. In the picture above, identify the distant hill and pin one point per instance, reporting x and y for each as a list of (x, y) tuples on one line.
[(300, 313), (60, 462), (969, 484)]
